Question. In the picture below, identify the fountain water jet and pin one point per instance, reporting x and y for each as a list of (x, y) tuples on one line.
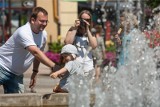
[(134, 84)]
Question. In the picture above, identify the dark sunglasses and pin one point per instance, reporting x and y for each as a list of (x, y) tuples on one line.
[(88, 20)]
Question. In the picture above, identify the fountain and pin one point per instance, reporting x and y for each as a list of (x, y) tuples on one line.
[(135, 84)]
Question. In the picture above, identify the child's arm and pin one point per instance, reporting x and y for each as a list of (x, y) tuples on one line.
[(117, 36), (57, 73)]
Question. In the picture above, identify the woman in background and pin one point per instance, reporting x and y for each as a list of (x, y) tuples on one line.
[(129, 24), (80, 35), (99, 52)]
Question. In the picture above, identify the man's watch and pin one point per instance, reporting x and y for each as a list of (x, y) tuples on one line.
[(55, 68)]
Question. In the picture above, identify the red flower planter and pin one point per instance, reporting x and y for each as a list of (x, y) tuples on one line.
[(55, 57), (110, 57)]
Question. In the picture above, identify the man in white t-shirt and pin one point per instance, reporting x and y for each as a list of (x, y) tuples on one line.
[(25, 46)]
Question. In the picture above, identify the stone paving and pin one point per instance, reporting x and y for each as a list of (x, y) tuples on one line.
[(44, 97), (44, 83)]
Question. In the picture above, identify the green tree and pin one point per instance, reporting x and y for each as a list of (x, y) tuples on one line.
[(153, 3)]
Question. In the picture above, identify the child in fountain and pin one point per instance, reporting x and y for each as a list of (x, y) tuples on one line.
[(71, 66)]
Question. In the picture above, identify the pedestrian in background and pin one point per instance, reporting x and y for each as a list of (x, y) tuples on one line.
[(129, 24), (71, 67), (25, 46), (99, 52), (80, 35)]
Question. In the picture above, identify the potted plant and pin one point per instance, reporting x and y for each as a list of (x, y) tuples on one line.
[(111, 52), (54, 51)]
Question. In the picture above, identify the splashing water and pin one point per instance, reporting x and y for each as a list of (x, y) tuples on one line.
[(79, 90), (135, 84), (132, 85)]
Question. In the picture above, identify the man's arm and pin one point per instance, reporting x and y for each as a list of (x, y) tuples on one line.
[(37, 62), (36, 65), (34, 74), (40, 56)]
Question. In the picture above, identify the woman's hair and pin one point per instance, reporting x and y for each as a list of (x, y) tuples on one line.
[(35, 12), (86, 12)]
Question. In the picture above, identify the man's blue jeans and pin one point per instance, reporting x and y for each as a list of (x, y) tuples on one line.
[(11, 82)]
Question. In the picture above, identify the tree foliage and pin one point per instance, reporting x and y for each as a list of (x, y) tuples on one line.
[(153, 3)]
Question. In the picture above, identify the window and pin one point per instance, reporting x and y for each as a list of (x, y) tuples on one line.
[(13, 14)]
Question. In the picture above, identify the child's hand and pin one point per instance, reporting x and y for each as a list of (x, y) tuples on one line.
[(118, 39), (54, 75)]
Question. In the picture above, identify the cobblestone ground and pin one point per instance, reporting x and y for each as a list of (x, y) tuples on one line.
[(44, 83)]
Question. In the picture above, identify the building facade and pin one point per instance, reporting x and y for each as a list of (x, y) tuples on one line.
[(15, 13), (62, 14)]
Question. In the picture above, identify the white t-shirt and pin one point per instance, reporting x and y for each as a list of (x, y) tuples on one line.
[(85, 56), (73, 68), (13, 54)]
